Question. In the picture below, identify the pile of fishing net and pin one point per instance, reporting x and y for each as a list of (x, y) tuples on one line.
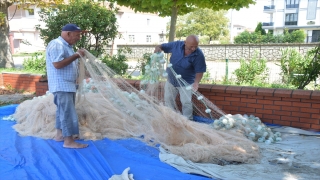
[(109, 107)]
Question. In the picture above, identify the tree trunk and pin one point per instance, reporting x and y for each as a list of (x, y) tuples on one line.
[(6, 60), (174, 16)]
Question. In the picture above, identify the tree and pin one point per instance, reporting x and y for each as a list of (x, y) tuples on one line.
[(98, 22), (173, 8), (5, 52), (201, 22), (259, 29)]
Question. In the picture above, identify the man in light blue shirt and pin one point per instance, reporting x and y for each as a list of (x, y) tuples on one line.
[(187, 60), (62, 66)]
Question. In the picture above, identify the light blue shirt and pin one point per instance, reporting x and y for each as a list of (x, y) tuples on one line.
[(63, 79)]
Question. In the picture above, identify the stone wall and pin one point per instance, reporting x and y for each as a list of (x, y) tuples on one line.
[(212, 52)]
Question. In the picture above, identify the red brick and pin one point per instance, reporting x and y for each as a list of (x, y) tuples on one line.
[(247, 110), (219, 88), (290, 108), (249, 90), (217, 98), (246, 100), (239, 95), (267, 121), (290, 99), (315, 116), (269, 116), (309, 121), (265, 91), (315, 127), (282, 113), (310, 110), (289, 118), (272, 107), (282, 103), (310, 100), (272, 98), (303, 94), (315, 106), (282, 93), (283, 123), (298, 114), (300, 125), (264, 102), (223, 94), (205, 87), (300, 104), (238, 104), (264, 111), (233, 89), (255, 105), (315, 95), (230, 108), (222, 103), (232, 99)]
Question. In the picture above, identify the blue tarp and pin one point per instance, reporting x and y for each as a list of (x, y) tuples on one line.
[(24, 158)]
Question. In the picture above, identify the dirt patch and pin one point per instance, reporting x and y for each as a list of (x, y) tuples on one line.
[(8, 96)]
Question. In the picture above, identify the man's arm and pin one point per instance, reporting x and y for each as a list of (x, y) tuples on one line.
[(66, 61), (197, 81)]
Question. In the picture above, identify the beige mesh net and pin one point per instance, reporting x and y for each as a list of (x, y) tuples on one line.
[(109, 107)]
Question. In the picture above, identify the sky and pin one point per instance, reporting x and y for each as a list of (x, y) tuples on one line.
[(251, 16)]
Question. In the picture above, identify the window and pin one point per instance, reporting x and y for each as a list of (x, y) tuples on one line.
[(292, 3), (148, 22), (131, 38), (148, 38), (312, 9), (291, 19), (29, 12)]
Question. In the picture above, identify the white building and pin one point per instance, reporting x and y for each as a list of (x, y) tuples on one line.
[(292, 15), (135, 28)]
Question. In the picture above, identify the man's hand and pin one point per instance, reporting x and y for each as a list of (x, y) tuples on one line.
[(157, 49), (81, 52), (195, 86)]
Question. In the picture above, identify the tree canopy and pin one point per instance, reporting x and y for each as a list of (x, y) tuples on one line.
[(99, 23), (204, 22), (5, 52), (173, 8)]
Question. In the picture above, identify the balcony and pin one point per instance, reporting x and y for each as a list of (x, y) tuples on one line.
[(267, 24), (269, 9), (292, 23), (288, 6)]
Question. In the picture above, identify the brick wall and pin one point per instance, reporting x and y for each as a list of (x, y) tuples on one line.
[(26, 82), (295, 108)]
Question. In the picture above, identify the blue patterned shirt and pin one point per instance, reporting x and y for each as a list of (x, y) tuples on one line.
[(63, 79)]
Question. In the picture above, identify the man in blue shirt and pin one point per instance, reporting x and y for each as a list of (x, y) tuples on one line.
[(62, 72), (187, 61)]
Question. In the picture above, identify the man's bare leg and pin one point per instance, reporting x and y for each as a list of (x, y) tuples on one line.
[(58, 136), (70, 143)]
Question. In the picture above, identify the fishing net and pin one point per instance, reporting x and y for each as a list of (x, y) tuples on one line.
[(110, 107)]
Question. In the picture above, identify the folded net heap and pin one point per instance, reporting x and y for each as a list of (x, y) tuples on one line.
[(109, 107)]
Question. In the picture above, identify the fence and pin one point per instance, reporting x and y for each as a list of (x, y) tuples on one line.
[(213, 52), (223, 59)]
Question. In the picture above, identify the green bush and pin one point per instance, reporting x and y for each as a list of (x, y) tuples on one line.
[(36, 63), (117, 62), (252, 71)]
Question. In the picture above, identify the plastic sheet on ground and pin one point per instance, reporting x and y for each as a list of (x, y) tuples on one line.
[(25, 158)]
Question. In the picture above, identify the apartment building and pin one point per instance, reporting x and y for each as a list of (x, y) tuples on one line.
[(135, 28), (293, 15)]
